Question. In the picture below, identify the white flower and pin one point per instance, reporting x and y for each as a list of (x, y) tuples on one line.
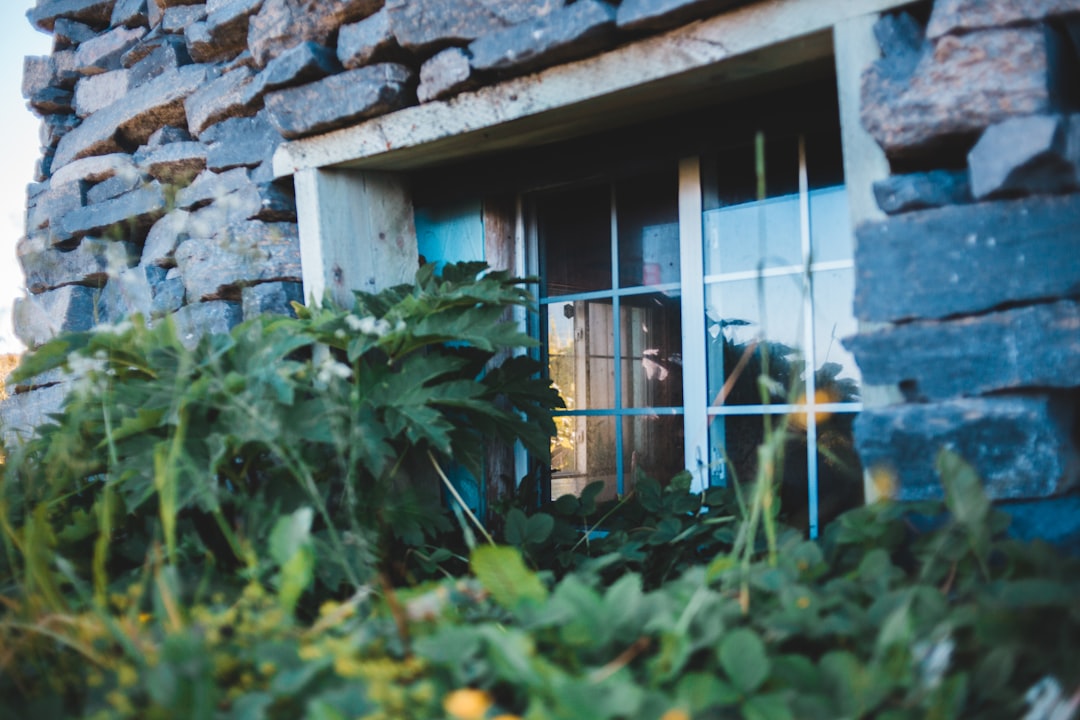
[(367, 325), (329, 369)]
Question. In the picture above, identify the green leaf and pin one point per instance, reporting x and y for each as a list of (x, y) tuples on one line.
[(539, 528), (967, 500), (516, 527), (701, 691), (770, 706), (742, 656), (502, 573)]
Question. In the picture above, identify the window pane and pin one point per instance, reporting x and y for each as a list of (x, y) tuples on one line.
[(837, 375), (652, 447), (651, 334), (574, 235), (581, 353), (648, 226), (753, 235), (830, 225), (582, 452), (739, 329)]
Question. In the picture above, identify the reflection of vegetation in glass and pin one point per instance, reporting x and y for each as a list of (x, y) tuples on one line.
[(561, 372)]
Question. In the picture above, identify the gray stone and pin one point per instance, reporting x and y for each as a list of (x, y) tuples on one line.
[(900, 36), (54, 127), (209, 186), (45, 379), (263, 172), (47, 267), (65, 69), (1029, 347), (145, 109), (241, 142), (960, 86), (38, 74), (103, 52), (1020, 446), (242, 254), (273, 298), (1022, 156), (960, 16), (128, 216), (168, 296), (267, 202), (167, 55), (223, 98), (68, 33), (302, 64), (22, 413), (99, 91), (651, 15), (96, 169), (163, 239), (919, 191), (427, 26), (446, 73), (176, 163), (1054, 520), (39, 318), (131, 13), (168, 134), (199, 319), (51, 101), (114, 187), (340, 99), (283, 24), (967, 259), (223, 35), (177, 19), (95, 13), (569, 33), (58, 200), (368, 41), (141, 290), (243, 60)]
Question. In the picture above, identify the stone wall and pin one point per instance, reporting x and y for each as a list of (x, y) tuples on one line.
[(973, 281)]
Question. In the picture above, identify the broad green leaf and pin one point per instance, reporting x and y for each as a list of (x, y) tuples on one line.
[(743, 657), (502, 573), (771, 706), (701, 691), (516, 527)]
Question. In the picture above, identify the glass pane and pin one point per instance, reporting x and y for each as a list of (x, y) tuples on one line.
[(753, 235), (652, 447), (581, 353), (648, 225), (652, 350), (738, 328), (830, 225), (837, 376), (840, 476), (582, 452), (574, 236)]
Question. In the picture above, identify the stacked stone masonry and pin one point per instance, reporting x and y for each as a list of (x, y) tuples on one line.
[(155, 194)]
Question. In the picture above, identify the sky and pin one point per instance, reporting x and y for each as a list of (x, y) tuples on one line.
[(19, 130)]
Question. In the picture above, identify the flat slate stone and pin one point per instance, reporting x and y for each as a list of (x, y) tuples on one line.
[(22, 413), (241, 142), (1020, 446), (103, 53), (1023, 156), (51, 101), (57, 200), (68, 33), (223, 35), (179, 18), (39, 318), (47, 267), (446, 73), (163, 239), (967, 259), (168, 134), (114, 187), (565, 34), (960, 86), (54, 127), (132, 13), (272, 298), (128, 216), (170, 53), (920, 191), (96, 13), (37, 74), (267, 202), (209, 186), (1030, 347), (167, 295), (283, 24), (655, 15), (426, 26), (340, 100), (198, 319), (1053, 520), (368, 41), (304, 63), (66, 70), (176, 163), (99, 91), (220, 99), (959, 16), (242, 254), (145, 109), (95, 169)]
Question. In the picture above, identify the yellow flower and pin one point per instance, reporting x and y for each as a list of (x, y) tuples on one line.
[(675, 714), (803, 602), (467, 704), (507, 717)]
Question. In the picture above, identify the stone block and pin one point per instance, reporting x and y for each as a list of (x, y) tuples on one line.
[(960, 86), (144, 110), (426, 26), (223, 35), (57, 200), (103, 53), (242, 254), (1022, 156), (114, 187), (168, 54), (37, 75), (96, 169), (128, 216), (273, 298), (39, 318), (198, 319), (340, 99), (267, 202), (51, 101), (168, 295), (47, 267), (22, 413), (565, 34), (446, 73), (95, 13), (220, 99), (368, 41), (283, 24), (901, 39), (241, 142), (920, 191), (179, 18), (54, 127), (209, 186), (967, 259), (304, 63), (1054, 520), (69, 33), (1020, 446), (168, 134), (99, 91), (1037, 346), (652, 15), (175, 163), (145, 290), (960, 16), (65, 69), (163, 239), (131, 13)]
